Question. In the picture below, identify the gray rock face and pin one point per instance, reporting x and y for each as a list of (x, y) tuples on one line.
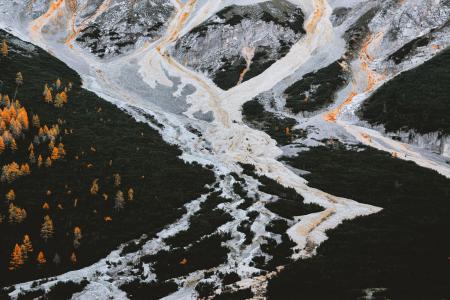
[(433, 141), (260, 33), (123, 24)]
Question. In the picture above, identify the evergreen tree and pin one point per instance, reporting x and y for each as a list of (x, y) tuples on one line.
[(120, 201), (19, 82), (56, 259)]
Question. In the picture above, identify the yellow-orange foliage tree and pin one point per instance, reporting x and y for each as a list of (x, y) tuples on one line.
[(28, 246), (47, 229), (2, 145), (16, 258), (77, 236), (22, 117), (4, 49), (41, 258), (48, 162), (36, 121), (48, 98), (130, 194), (16, 214), (94, 187), (25, 169), (11, 172), (73, 258), (55, 154), (62, 151), (11, 195)]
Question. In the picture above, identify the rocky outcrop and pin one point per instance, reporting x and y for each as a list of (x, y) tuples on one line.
[(241, 42), (435, 141), (123, 24)]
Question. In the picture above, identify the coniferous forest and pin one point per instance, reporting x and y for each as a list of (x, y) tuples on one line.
[(76, 171)]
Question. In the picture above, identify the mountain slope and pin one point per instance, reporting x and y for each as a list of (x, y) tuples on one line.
[(299, 71)]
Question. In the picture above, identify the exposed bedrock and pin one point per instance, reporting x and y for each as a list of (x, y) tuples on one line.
[(241, 42), (123, 24), (434, 141)]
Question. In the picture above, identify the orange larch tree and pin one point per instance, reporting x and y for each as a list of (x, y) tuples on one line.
[(94, 187), (11, 172), (47, 229), (16, 258), (46, 206), (41, 258), (13, 145), (11, 195), (4, 49), (48, 98), (27, 243), (55, 154), (25, 169), (73, 258), (62, 151), (36, 122), (77, 236), (2, 145), (32, 157), (23, 118), (48, 162), (130, 194), (39, 161)]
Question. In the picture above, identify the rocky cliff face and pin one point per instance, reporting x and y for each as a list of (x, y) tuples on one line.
[(123, 25), (104, 27), (242, 41)]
